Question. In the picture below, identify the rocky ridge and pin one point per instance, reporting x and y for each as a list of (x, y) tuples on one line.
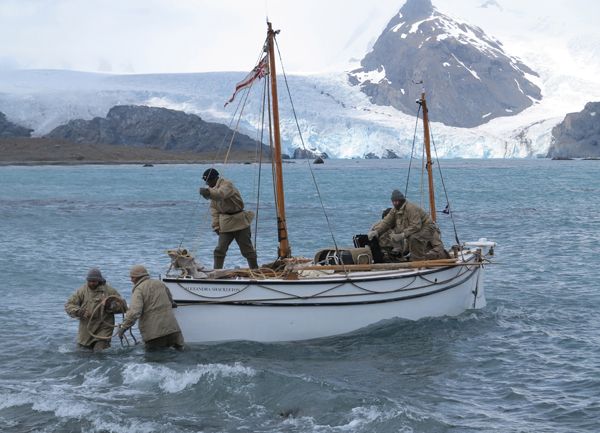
[(468, 77), (10, 129), (578, 135), (160, 128)]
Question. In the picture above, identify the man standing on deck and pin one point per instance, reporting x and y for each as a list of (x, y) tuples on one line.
[(152, 304), (95, 305), (413, 225), (229, 219)]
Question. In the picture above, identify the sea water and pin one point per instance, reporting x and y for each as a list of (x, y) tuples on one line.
[(528, 362)]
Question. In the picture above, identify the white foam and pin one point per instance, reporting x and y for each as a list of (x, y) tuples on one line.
[(12, 400), (172, 381), (95, 377), (132, 426)]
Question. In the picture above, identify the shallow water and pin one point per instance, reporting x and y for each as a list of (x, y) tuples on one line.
[(529, 362)]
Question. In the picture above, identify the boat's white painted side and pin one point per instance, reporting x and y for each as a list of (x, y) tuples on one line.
[(281, 310)]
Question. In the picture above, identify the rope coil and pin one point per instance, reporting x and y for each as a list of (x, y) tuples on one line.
[(100, 308)]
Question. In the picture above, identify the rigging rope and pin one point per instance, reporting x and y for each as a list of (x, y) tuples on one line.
[(236, 114), (304, 147), (260, 161), (450, 212), (412, 150), (422, 172)]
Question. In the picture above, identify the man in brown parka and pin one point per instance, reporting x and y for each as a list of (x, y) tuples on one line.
[(95, 305), (152, 304), (414, 226), (229, 219)]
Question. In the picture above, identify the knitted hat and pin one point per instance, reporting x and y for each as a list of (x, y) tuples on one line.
[(397, 195), (94, 274), (210, 173), (138, 271)]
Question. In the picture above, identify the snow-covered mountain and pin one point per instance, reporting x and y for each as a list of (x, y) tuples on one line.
[(334, 116), (468, 76)]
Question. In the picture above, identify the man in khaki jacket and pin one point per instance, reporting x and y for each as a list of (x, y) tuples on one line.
[(95, 304), (229, 219), (413, 225), (152, 304), (392, 251)]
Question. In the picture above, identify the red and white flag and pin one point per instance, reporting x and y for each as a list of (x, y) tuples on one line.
[(259, 71)]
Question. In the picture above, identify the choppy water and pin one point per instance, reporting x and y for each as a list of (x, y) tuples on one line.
[(529, 362)]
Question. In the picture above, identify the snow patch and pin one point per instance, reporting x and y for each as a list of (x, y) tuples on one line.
[(591, 114), (397, 27), (486, 115), (519, 87), (415, 26), (467, 68), (375, 76), (446, 64)]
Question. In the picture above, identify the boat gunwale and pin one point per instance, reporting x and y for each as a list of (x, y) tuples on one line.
[(376, 275), (270, 303)]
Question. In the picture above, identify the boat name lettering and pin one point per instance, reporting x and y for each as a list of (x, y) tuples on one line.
[(213, 289)]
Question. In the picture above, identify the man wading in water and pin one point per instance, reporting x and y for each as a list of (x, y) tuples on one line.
[(95, 305), (152, 304)]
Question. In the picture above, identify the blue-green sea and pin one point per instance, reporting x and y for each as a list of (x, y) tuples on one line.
[(528, 362)]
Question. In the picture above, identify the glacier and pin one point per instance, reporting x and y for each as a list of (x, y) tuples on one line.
[(333, 116)]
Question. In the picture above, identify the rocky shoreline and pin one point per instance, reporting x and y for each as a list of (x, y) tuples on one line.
[(45, 151)]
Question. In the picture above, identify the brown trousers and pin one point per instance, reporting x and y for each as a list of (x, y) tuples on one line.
[(170, 340), (98, 345), (427, 245), (244, 240)]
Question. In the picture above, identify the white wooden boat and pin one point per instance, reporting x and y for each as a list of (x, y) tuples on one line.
[(299, 301)]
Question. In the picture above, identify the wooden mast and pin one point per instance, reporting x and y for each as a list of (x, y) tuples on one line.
[(282, 234), (428, 152)]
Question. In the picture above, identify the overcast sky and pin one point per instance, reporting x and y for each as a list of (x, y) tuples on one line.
[(145, 36)]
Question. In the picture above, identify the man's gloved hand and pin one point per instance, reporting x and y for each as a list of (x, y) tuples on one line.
[(372, 234), (398, 237), (205, 192), (83, 314), (217, 231)]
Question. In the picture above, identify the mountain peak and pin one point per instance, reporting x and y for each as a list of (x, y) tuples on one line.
[(468, 76), (416, 9)]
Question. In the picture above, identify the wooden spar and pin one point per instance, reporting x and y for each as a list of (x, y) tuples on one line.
[(428, 152), (282, 234)]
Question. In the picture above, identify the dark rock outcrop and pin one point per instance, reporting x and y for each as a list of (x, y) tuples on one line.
[(578, 136), (9, 129), (468, 77), (161, 128), (308, 154)]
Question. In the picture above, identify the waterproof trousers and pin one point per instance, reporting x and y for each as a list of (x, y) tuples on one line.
[(98, 345), (170, 340), (244, 240), (427, 245)]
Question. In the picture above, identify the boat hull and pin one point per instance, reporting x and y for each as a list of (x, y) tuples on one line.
[(282, 310)]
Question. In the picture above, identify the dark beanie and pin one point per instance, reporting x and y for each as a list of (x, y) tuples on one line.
[(397, 195), (210, 173), (94, 274)]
